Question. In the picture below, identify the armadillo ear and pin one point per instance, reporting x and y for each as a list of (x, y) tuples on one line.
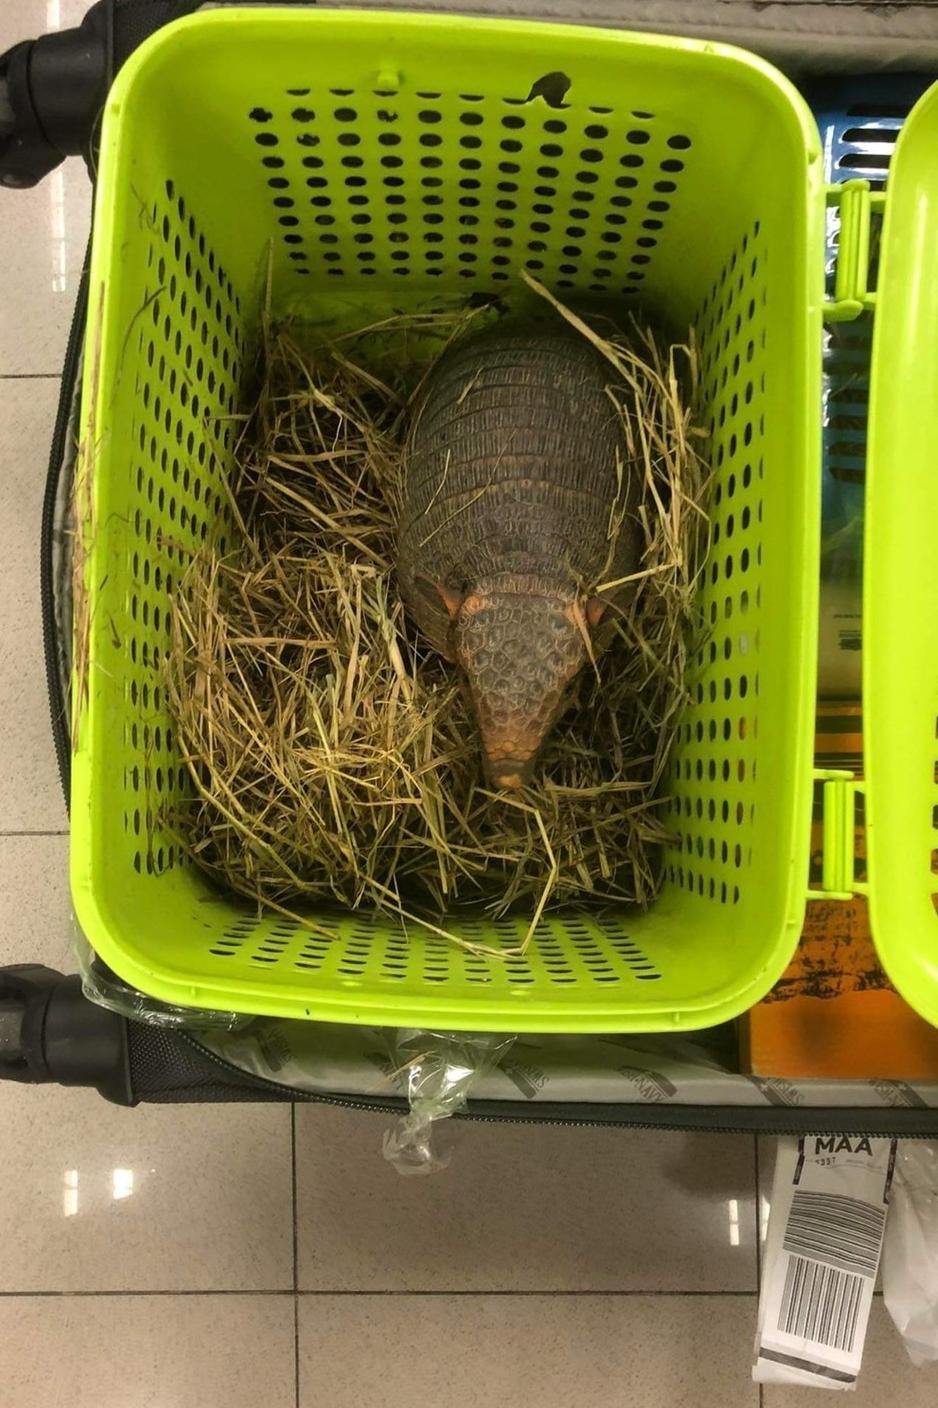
[(595, 610), (440, 592)]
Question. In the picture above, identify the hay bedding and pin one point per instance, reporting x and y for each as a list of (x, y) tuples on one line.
[(333, 754)]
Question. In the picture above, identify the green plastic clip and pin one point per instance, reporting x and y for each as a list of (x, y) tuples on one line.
[(840, 791), (852, 294)]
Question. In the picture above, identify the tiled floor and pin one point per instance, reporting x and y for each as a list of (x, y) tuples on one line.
[(234, 1255)]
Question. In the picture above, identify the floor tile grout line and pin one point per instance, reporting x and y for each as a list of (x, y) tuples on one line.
[(555, 1294), (296, 1262), (387, 1294), (570, 1295), (113, 1295), (30, 376), (5, 834)]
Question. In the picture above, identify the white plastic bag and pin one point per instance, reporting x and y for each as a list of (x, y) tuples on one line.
[(910, 1251)]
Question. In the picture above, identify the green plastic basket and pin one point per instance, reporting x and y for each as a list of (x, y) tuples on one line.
[(393, 161), (901, 574)]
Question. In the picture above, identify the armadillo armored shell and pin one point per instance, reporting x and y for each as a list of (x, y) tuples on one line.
[(516, 467)]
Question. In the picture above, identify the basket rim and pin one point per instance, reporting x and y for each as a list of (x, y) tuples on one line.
[(190, 29), (903, 366)]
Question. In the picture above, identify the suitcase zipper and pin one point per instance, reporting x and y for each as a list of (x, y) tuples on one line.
[(58, 707), (669, 1120)]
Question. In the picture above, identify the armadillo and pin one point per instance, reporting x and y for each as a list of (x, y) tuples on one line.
[(519, 498)]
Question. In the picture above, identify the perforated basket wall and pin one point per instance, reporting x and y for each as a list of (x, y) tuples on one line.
[(900, 609), (392, 162)]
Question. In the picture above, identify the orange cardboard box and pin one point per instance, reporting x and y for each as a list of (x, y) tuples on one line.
[(834, 1013)]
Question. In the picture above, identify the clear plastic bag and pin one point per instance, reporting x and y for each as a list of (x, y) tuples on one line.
[(101, 985), (910, 1251), (436, 1071)]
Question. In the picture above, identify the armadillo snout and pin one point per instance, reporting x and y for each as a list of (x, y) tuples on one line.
[(507, 777), (519, 652), (507, 773), (508, 781)]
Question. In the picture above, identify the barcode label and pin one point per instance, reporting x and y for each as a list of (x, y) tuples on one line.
[(830, 1199), (841, 1232), (821, 1304)]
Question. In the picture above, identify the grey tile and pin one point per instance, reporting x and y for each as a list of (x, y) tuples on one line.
[(887, 1376), (43, 237), (552, 1351), (30, 794), (35, 909), (90, 1195), (173, 1197), (147, 1352), (524, 1208), (44, 231), (25, 19)]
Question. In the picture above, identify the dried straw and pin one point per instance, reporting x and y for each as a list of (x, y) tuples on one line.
[(82, 529), (334, 756)]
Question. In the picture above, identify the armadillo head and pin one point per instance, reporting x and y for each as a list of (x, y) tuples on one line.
[(520, 644)]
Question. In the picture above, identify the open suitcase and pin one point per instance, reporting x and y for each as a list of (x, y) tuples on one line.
[(49, 1031)]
